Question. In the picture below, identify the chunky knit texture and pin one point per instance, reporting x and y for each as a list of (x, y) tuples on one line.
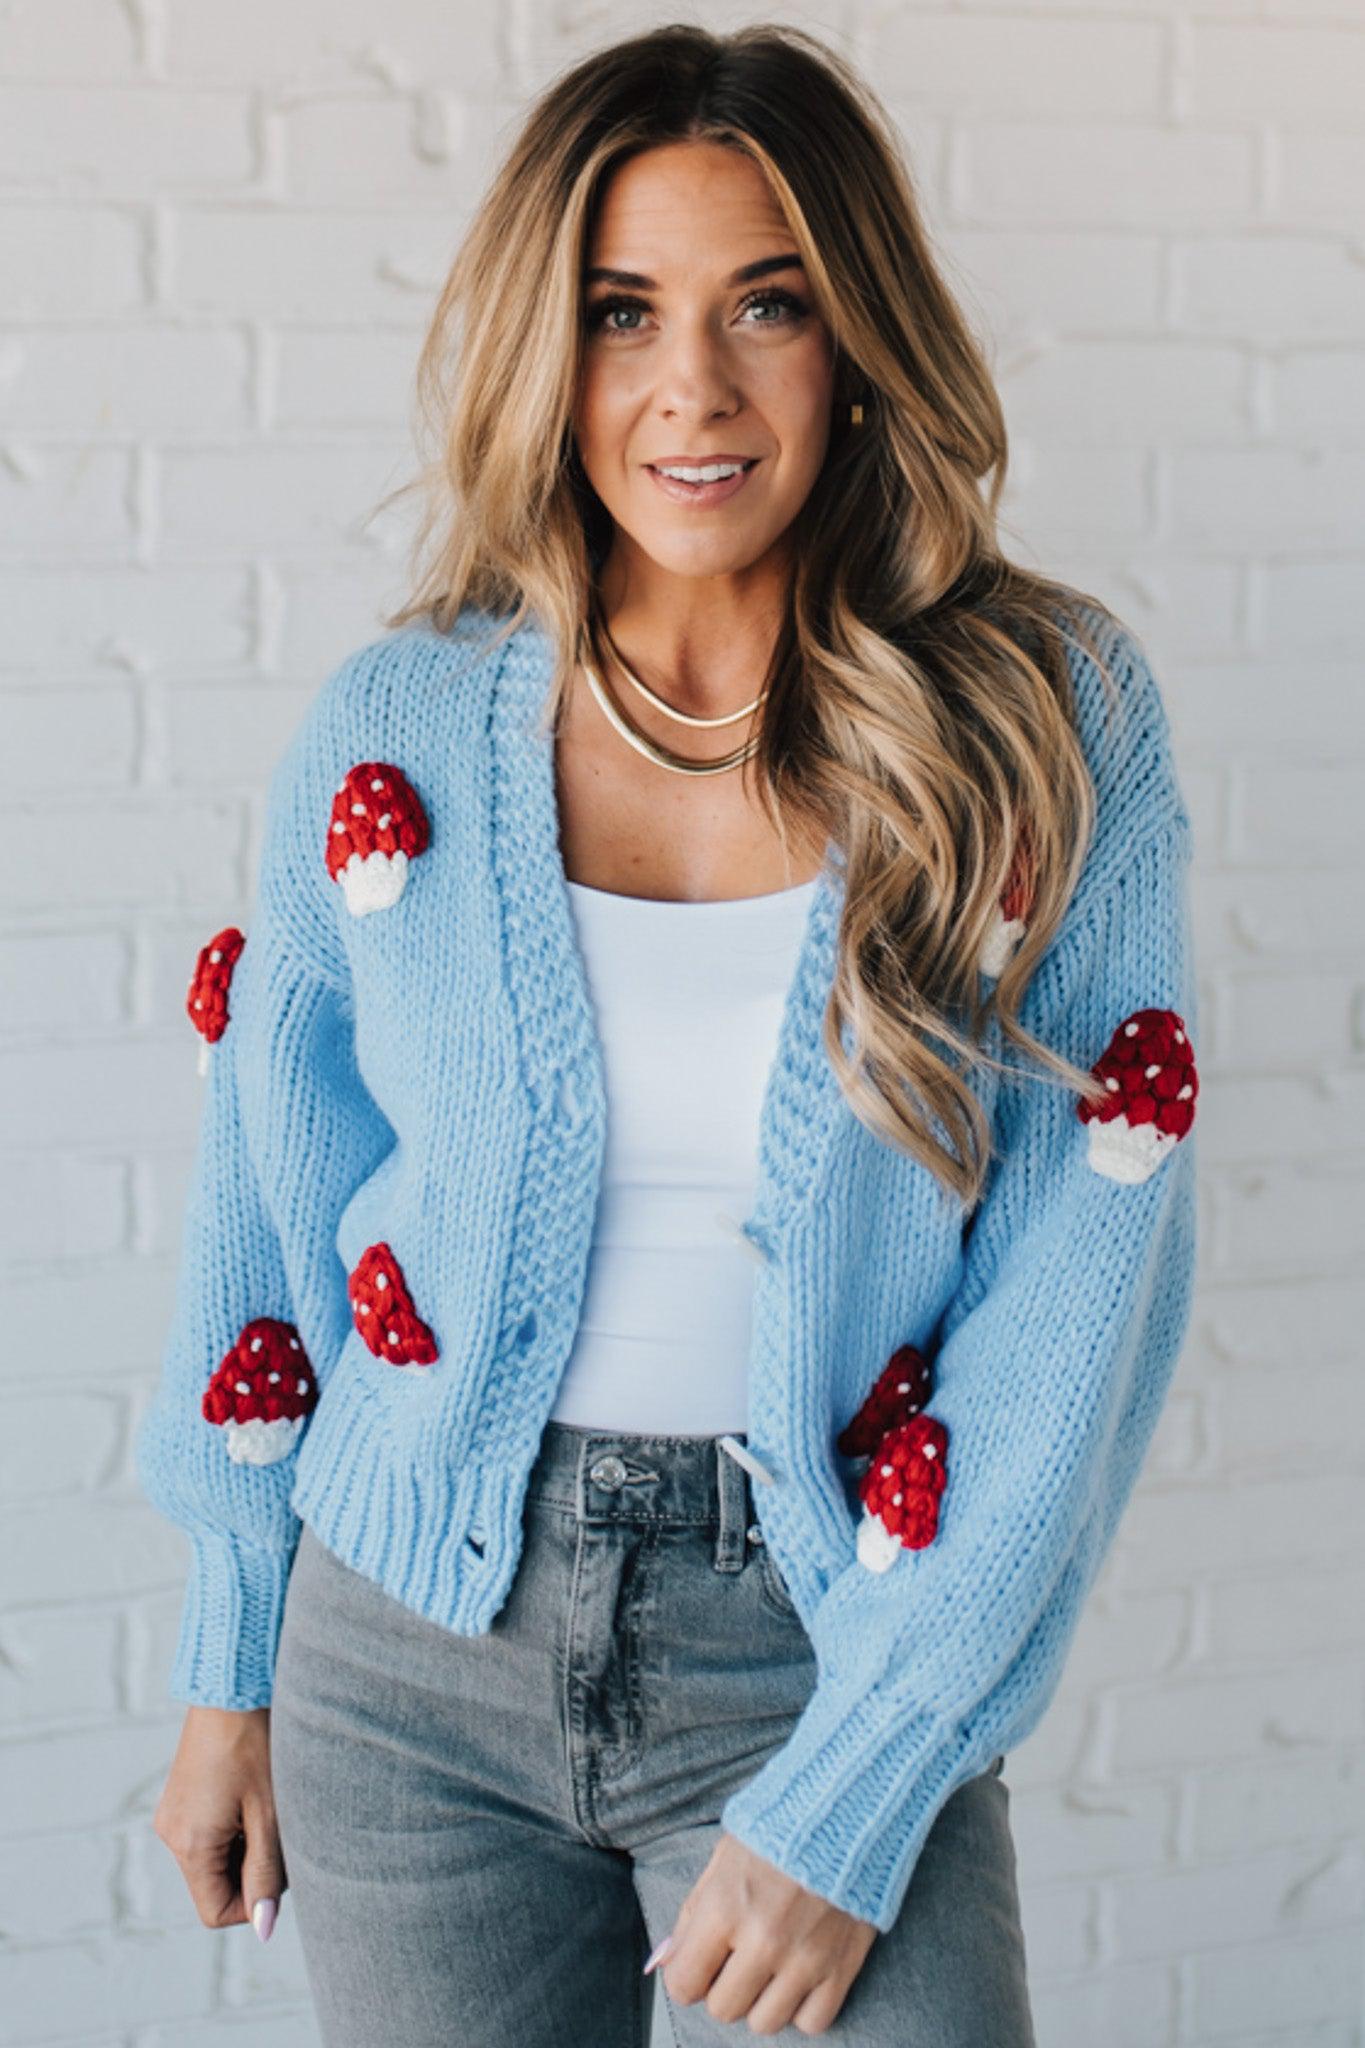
[(398, 1161)]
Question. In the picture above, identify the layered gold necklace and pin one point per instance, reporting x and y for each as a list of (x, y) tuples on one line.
[(680, 764)]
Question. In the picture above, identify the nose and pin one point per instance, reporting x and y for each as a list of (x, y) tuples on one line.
[(695, 375)]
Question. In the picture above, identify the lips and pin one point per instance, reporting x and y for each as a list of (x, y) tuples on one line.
[(700, 461), (704, 495)]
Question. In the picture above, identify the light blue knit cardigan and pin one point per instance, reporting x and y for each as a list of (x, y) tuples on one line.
[(410, 1062)]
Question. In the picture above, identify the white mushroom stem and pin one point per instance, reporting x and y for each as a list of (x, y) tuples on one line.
[(259, 1442), (373, 881), (878, 1549), (1126, 1152), (1001, 941)]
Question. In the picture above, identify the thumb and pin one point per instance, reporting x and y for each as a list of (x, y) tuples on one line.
[(262, 1872)]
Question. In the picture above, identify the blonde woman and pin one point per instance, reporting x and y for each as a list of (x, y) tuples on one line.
[(693, 1222)]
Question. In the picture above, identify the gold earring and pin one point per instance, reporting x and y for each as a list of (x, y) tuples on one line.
[(855, 414)]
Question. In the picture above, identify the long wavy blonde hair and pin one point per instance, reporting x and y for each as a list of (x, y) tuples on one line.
[(920, 708)]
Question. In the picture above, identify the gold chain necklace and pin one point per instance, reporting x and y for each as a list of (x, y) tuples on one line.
[(669, 710), (662, 756)]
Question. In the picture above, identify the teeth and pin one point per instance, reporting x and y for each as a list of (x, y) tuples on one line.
[(713, 472)]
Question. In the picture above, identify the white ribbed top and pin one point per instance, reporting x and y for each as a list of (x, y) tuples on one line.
[(688, 998)]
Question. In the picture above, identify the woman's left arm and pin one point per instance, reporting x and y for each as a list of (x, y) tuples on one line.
[(1051, 1367)]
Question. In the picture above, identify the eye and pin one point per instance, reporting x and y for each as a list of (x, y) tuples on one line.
[(616, 302), (775, 295), (787, 303)]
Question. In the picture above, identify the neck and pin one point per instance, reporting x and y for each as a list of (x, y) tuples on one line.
[(702, 643)]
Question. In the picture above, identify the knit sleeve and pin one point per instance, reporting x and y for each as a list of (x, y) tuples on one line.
[(1050, 1368), (286, 1133)]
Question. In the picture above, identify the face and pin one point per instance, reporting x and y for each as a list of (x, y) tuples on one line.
[(697, 362)]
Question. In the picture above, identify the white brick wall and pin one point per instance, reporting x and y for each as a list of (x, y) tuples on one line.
[(221, 229)]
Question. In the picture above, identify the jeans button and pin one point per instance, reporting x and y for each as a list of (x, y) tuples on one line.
[(609, 1473), (755, 1534)]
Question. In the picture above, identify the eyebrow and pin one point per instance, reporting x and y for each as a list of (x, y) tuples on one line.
[(600, 274)]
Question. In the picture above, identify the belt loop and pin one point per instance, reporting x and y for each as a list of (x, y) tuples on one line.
[(732, 1489)]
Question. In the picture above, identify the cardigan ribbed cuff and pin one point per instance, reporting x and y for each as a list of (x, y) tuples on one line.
[(862, 1753), (229, 1621)]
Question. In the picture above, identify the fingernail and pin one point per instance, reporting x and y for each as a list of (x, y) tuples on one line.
[(263, 1917), (660, 1952)]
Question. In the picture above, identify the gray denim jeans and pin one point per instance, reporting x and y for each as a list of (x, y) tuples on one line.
[(484, 1836)]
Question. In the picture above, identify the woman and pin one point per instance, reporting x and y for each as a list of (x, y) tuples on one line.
[(680, 877)]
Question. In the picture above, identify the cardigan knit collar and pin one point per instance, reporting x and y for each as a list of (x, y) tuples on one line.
[(802, 1104)]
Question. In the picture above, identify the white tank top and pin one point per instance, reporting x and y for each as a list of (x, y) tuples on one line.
[(688, 999)]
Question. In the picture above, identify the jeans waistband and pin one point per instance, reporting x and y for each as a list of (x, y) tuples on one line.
[(601, 1475)]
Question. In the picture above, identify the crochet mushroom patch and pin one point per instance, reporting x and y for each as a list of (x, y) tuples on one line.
[(1009, 919), (377, 828), (907, 1461), (262, 1392), (1151, 1086), (383, 1311), (207, 999)]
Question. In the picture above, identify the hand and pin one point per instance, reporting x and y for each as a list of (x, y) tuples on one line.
[(751, 1940), (216, 1815)]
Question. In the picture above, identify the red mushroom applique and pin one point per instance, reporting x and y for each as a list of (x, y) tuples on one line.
[(383, 1310), (262, 1392), (902, 1387), (207, 1000), (900, 1492), (1151, 1086), (1009, 920), (377, 827)]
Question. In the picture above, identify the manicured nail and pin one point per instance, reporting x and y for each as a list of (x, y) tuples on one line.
[(263, 1917), (660, 1952)]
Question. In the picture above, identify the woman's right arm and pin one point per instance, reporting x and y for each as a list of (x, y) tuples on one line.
[(287, 1133)]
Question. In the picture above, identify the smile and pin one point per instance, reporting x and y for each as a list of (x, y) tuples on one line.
[(704, 493)]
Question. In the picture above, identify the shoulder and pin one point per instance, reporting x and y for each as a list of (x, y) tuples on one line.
[(411, 695), (1124, 730), (1120, 710), (402, 682)]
